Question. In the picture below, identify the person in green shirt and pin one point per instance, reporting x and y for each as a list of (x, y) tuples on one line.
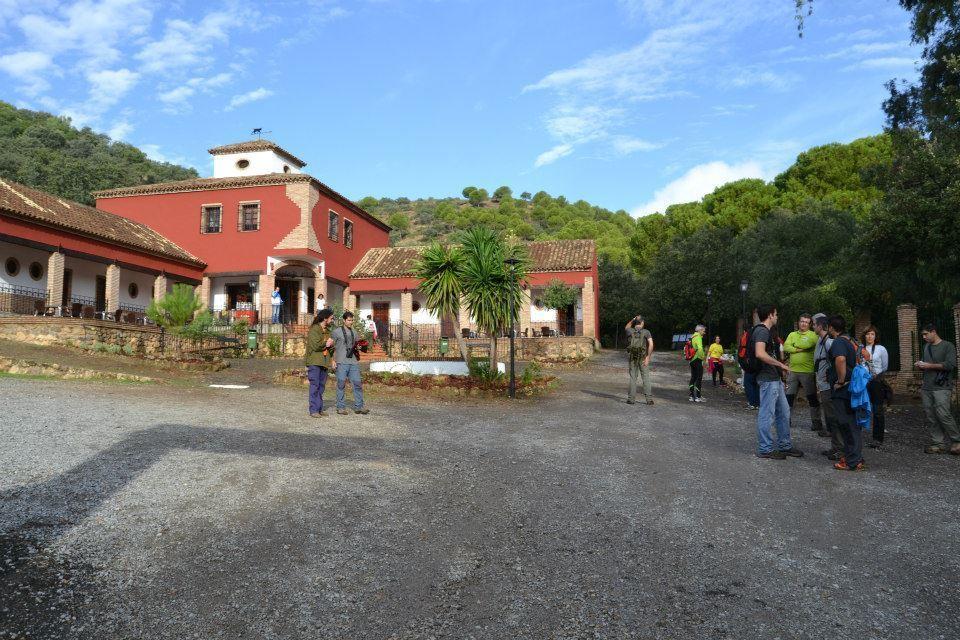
[(799, 347), (939, 366), (319, 360), (696, 364)]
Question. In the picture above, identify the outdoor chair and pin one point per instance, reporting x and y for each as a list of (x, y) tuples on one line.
[(545, 332), (39, 308), (86, 312), (76, 310), (118, 316)]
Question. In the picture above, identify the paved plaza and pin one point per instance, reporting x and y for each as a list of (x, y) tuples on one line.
[(178, 511)]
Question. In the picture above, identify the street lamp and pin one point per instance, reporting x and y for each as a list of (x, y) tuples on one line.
[(511, 265), (709, 298)]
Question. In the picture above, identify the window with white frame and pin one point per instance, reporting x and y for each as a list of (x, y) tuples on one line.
[(211, 219), (249, 216), (333, 227), (347, 233)]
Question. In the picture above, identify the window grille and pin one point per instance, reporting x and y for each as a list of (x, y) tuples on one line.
[(211, 219), (249, 218), (348, 234), (333, 230)]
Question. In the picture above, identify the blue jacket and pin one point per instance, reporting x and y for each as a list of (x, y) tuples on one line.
[(859, 398)]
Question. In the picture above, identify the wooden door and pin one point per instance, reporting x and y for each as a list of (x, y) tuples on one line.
[(100, 299), (447, 327), (381, 317), (67, 286)]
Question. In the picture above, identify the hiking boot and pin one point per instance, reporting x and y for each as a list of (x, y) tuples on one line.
[(649, 401), (631, 402), (955, 449), (773, 455), (843, 466), (935, 448), (362, 412), (691, 399), (793, 453), (835, 456), (321, 414), (343, 412)]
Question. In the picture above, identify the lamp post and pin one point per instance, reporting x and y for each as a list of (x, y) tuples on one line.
[(709, 298), (511, 264)]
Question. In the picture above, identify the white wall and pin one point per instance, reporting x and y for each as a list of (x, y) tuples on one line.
[(144, 282), (366, 300), (26, 256), (424, 316), (550, 315), (85, 275), (261, 162)]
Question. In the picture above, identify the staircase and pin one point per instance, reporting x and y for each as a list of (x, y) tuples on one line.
[(375, 353)]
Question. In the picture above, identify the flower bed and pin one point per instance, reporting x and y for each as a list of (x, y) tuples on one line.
[(441, 385)]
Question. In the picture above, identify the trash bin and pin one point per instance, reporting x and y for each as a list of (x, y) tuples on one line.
[(444, 346), (252, 339)]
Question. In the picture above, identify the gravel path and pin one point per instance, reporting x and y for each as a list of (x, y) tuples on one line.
[(160, 512)]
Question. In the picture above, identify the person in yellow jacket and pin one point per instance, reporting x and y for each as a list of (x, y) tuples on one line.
[(696, 364), (715, 360), (799, 347)]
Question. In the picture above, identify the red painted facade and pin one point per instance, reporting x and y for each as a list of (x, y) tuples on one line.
[(178, 216), (94, 248)]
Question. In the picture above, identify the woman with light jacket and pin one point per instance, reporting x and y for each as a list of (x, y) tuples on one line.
[(879, 361)]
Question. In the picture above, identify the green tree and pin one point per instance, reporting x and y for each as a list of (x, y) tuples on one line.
[(502, 192), (440, 269), (368, 203), (525, 196), (467, 191), (489, 284), (400, 223), (478, 197)]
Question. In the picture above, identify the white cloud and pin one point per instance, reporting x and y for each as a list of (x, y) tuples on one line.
[(552, 155), (154, 152), (176, 100), (120, 130), (28, 67), (890, 62), (571, 124), (186, 44), (754, 76), (625, 145), (108, 86), (698, 182), (250, 96)]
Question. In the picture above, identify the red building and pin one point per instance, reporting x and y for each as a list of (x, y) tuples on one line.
[(258, 222), (80, 260)]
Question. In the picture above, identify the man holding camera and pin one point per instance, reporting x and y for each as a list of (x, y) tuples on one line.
[(346, 364), (639, 350), (938, 365)]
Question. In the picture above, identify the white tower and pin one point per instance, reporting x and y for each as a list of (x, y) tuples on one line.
[(253, 158)]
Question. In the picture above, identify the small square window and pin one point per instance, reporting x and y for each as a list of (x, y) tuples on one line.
[(333, 229), (211, 219), (348, 234), (249, 219)]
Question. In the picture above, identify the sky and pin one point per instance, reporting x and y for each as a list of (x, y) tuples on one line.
[(628, 104)]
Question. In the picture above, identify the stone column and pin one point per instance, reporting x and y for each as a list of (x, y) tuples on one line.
[(349, 300), (113, 288), (159, 287), (589, 309), (860, 323), (55, 279), (204, 292), (525, 312), (265, 284), (909, 338), (406, 307), (320, 288)]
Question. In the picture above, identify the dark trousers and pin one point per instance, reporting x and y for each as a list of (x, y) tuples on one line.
[(717, 370), (318, 380), (879, 419), (833, 426), (751, 388), (849, 430), (696, 378)]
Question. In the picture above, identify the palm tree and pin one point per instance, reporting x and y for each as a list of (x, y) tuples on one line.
[(488, 284), (440, 269)]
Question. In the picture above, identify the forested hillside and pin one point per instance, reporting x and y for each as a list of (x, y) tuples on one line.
[(46, 152)]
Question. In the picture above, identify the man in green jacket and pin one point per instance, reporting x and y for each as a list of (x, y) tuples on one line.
[(696, 364), (938, 366), (319, 359), (799, 347)]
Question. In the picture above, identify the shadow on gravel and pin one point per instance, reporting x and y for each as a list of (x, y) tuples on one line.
[(42, 592)]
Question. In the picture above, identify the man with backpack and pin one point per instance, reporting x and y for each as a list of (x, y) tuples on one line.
[(750, 387), (762, 361), (843, 359), (693, 353), (639, 350), (821, 364), (939, 366)]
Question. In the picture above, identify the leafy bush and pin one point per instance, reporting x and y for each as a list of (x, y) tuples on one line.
[(127, 350), (199, 328), (530, 373), (240, 328), (481, 370), (274, 344)]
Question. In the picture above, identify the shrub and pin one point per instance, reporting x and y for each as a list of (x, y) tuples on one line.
[(274, 344), (530, 373), (481, 370), (128, 350)]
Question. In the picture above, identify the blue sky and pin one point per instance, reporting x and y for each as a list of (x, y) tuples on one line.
[(629, 104)]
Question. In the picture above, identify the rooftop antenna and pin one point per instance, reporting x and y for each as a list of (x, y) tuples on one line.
[(259, 132)]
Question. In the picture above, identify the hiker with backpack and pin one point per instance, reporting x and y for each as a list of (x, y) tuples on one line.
[(843, 357), (639, 350), (750, 387), (821, 363), (939, 366), (693, 353), (346, 365), (762, 361)]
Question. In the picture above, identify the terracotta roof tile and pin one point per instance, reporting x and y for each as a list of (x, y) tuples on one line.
[(255, 145), (546, 256), (238, 182), (24, 202)]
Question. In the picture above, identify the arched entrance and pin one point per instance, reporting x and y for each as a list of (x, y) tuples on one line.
[(294, 279)]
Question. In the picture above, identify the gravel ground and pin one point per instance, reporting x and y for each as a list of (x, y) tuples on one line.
[(161, 512)]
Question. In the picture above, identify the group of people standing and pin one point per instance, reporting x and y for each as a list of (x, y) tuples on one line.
[(837, 374), (333, 349)]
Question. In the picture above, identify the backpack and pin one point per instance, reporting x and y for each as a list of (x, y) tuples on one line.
[(742, 349), (637, 347), (688, 351), (750, 363)]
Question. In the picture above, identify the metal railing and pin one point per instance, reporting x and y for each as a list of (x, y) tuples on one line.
[(22, 300)]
